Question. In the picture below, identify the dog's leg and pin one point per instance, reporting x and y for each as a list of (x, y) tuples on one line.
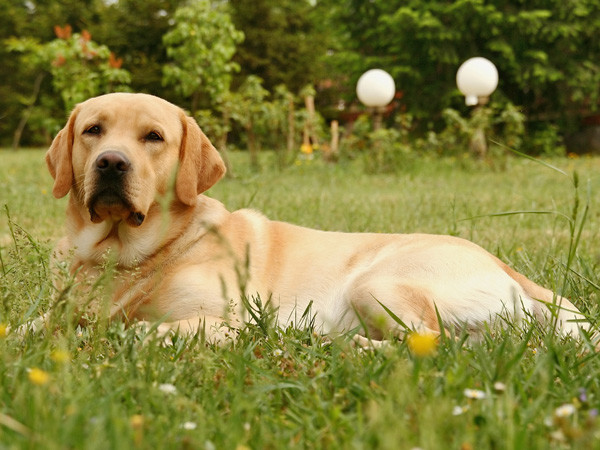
[(214, 330), (366, 343), (410, 306), (566, 316)]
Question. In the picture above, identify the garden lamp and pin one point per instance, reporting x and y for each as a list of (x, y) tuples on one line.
[(477, 78), (376, 89)]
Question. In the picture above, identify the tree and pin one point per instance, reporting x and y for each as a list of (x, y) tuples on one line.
[(284, 42), (250, 113), (201, 45), (134, 30)]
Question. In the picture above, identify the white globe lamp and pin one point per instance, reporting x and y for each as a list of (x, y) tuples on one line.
[(477, 78), (375, 88)]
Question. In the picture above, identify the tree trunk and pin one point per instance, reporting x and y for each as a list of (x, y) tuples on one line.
[(310, 108), (291, 144), (332, 154)]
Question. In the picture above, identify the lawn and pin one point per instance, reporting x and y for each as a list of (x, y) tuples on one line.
[(105, 387)]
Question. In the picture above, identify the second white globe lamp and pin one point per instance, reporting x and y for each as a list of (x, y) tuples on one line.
[(477, 78)]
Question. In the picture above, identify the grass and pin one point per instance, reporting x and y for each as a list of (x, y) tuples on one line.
[(105, 387)]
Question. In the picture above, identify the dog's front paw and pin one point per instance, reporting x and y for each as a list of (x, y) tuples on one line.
[(149, 331)]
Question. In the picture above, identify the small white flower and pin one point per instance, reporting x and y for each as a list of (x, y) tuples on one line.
[(474, 394), (167, 388), (189, 426), (246, 427), (558, 435), (458, 410), (277, 352), (499, 386), (565, 410)]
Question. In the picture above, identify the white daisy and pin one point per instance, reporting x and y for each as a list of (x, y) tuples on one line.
[(474, 394), (565, 410), (167, 388)]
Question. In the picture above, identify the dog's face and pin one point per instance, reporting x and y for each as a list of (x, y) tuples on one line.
[(118, 153)]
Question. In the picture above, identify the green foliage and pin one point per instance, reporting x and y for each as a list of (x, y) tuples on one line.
[(134, 30), (274, 121), (285, 41), (387, 153), (79, 68), (545, 139), (201, 45), (394, 149), (546, 52), (250, 112), (82, 69), (502, 125), (192, 53), (386, 150)]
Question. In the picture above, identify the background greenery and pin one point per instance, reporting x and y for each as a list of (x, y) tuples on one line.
[(102, 386), (546, 52)]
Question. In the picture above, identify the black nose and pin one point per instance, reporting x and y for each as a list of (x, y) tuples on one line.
[(113, 163)]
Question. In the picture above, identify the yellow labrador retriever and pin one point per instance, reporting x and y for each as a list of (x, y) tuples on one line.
[(135, 168)]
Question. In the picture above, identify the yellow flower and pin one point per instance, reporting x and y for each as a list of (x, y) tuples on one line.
[(307, 149), (3, 330), (60, 356), (423, 344), (137, 420), (137, 423), (38, 376)]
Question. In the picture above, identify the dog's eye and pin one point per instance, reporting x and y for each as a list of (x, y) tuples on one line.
[(94, 129), (153, 136)]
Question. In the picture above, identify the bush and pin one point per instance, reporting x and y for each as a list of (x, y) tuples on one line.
[(485, 133), (386, 150)]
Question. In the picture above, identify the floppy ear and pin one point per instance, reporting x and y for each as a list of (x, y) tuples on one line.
[(200, 165), (58, 159)]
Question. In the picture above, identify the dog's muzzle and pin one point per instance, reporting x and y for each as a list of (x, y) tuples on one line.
[(109, 198)]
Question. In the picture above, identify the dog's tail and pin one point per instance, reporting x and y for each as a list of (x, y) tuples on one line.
[(549, 307)]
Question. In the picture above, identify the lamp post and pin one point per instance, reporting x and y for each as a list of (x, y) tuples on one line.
[(477, 79), (375, 89)]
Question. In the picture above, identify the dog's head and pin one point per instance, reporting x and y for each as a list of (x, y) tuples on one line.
[(118, 152)]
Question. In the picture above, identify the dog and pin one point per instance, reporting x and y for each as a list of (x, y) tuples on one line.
[(136, 167)]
